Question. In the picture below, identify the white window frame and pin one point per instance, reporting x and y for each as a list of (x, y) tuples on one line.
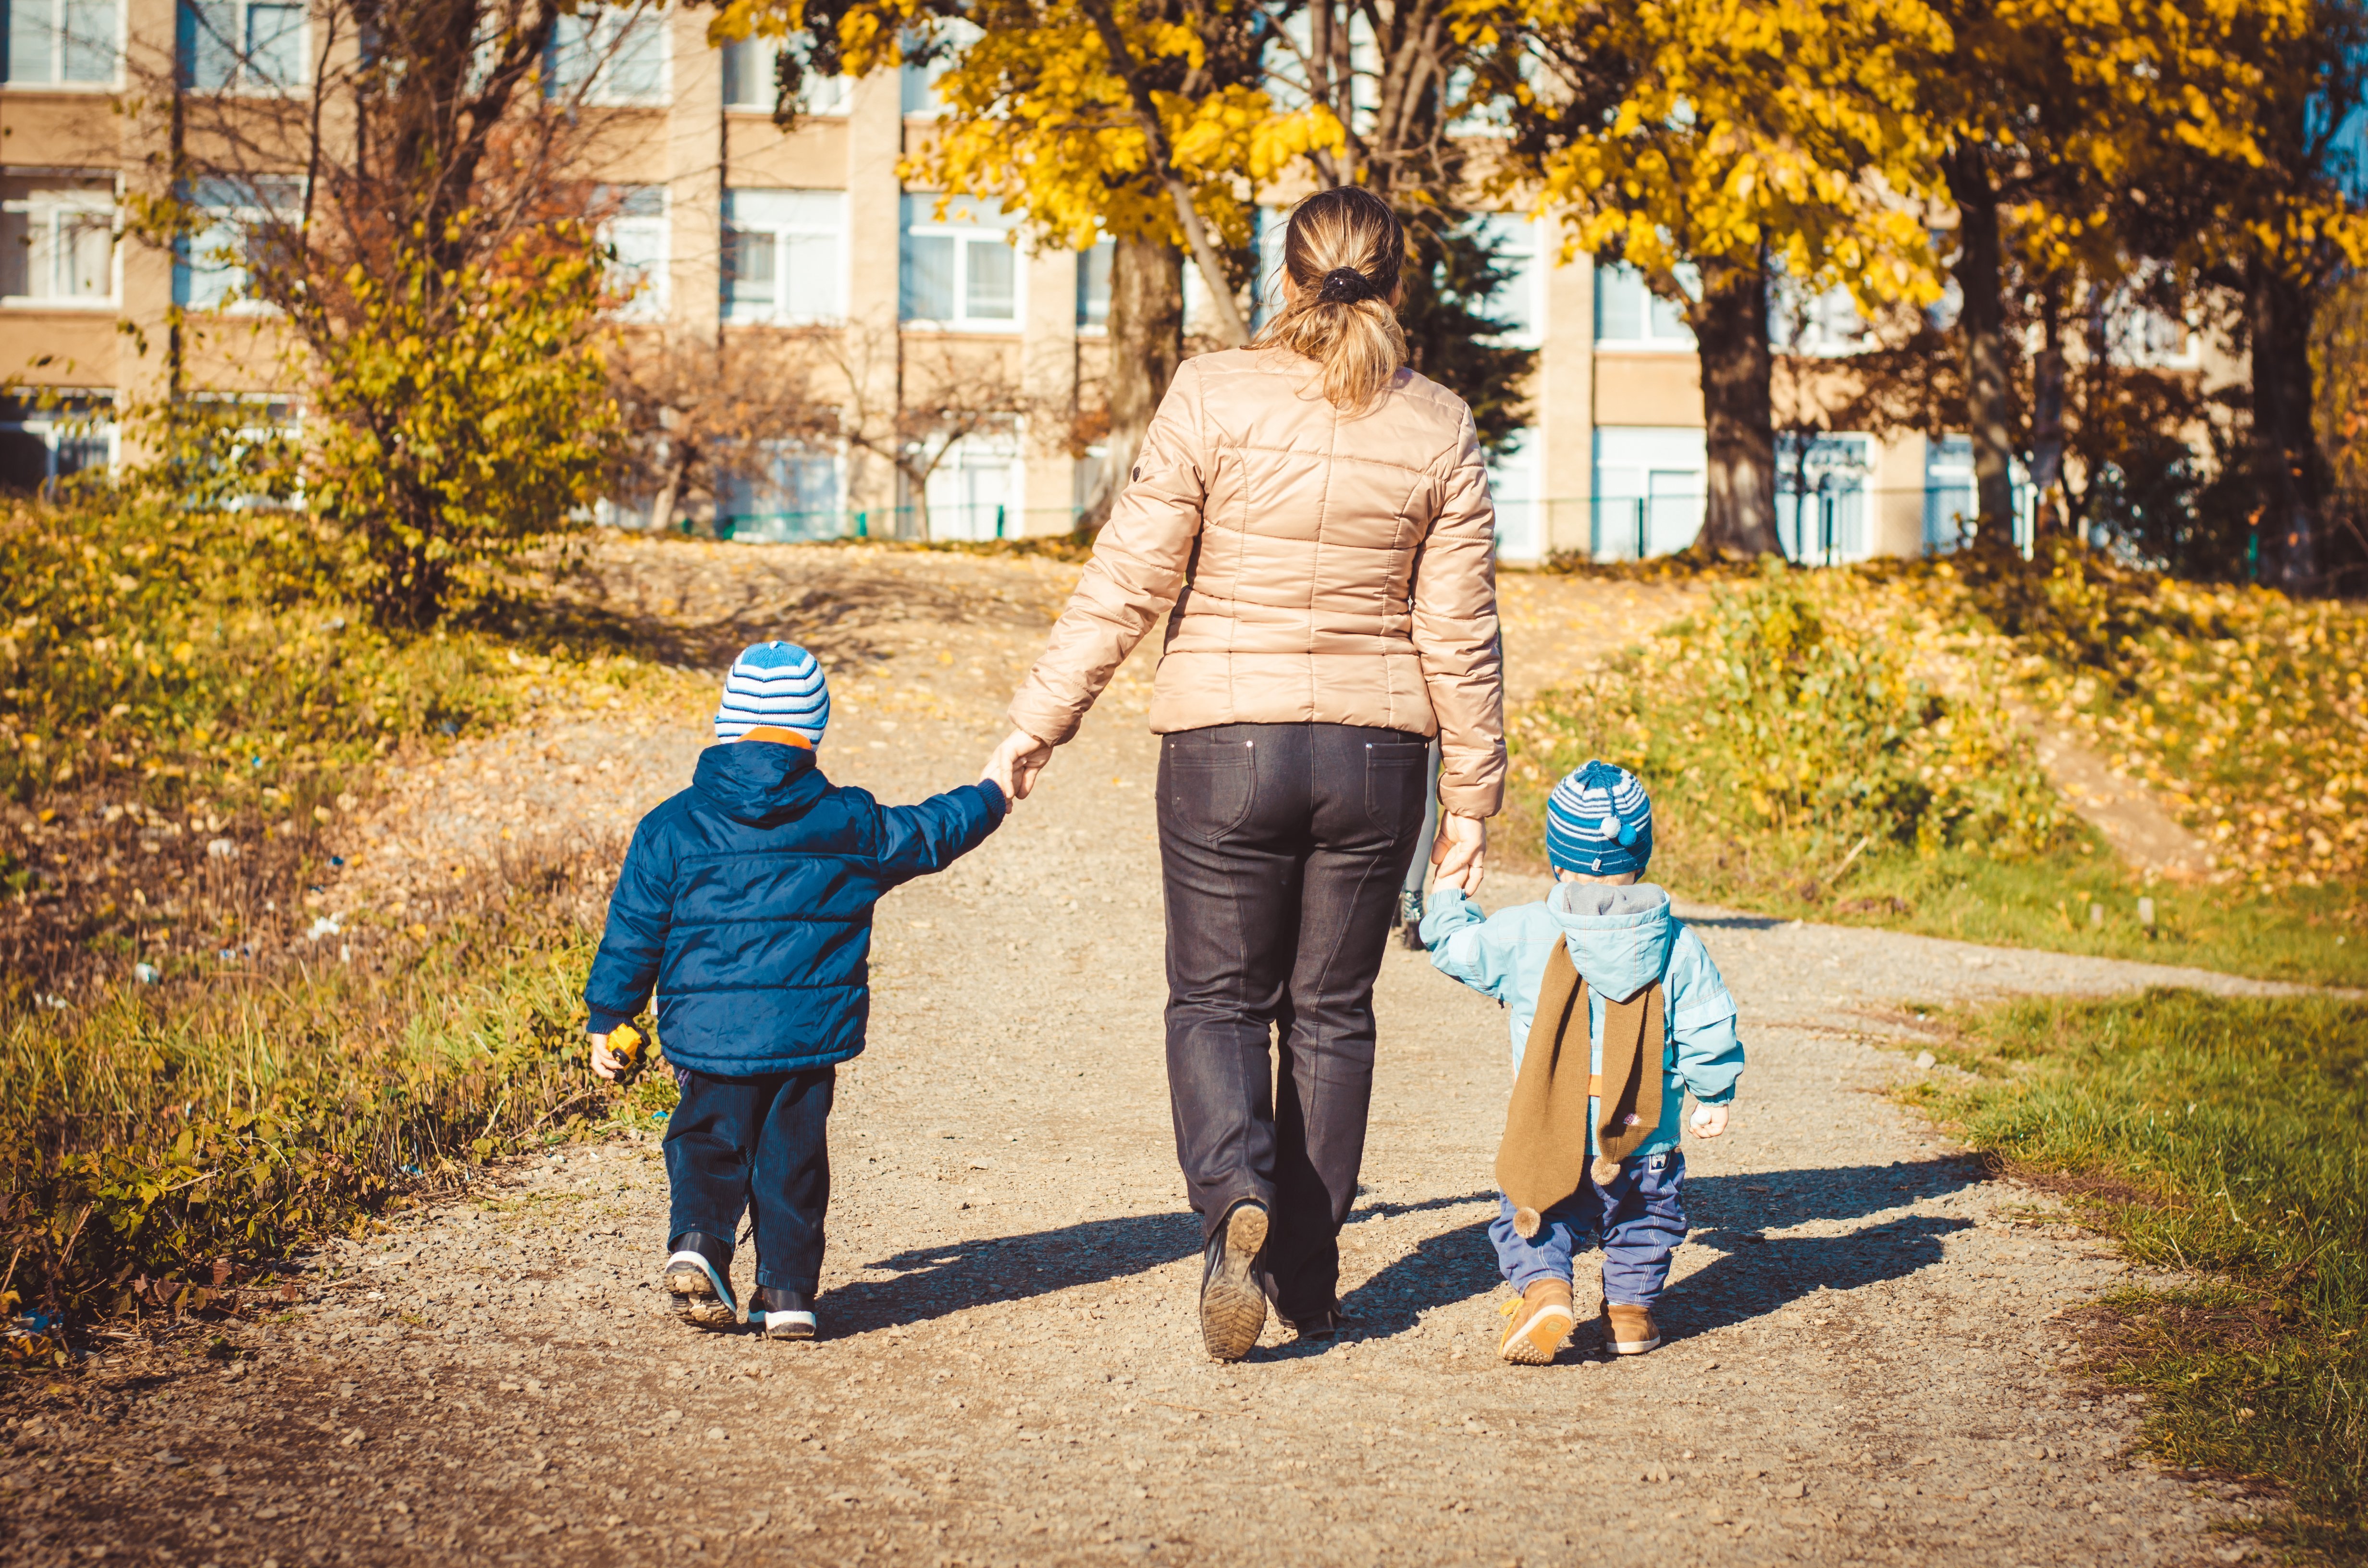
[(628, 222), (1087, 326), (43, 214), (738, 498), (916, 85), (1842, 464), (599, 34), (1524, 238), (790, 220), (986, 454), (1655, 475), (1515, 477), (56, 81), (970, 225), (1654, 340), (229, 220), (54, 427), (824, 98), (1829, 328), (244, 80)]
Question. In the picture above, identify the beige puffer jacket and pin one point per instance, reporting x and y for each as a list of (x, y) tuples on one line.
[(1333, 569)]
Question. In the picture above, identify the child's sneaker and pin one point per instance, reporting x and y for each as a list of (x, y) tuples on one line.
[(1536, 1323), (1410, 918), (782, 1315), (1629, 1331), (698, 1277)]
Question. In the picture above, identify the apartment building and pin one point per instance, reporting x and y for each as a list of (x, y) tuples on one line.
[(732, 226)]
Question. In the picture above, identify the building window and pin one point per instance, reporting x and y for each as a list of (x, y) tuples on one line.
[(790, 493), (41, 446), (1520, 300), (56, 240), (1630, 315), (1093, 288), (960, 269), (635, 229), (752, 80), (1821, 496), (975, 490), (63, 42), (214, 268), (1949, 507), (784, 256), (608, 57), (1650, 488), (1520, 511), (242, 46), (1823, 326)]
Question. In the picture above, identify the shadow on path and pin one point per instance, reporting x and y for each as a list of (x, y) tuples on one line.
[(1725, 1211)]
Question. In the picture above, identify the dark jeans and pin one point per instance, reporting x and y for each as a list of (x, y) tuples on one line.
[(1283, 847), (760, 1145)]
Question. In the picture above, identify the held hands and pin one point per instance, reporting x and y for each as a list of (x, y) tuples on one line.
[(1460, 854), (1013, 766), (1710, 1122)]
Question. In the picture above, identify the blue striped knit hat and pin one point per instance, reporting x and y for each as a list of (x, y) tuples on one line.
[(1600, 822), (777, 684)]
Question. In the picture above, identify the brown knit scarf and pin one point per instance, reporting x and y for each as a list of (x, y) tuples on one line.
[(1543, 1157)]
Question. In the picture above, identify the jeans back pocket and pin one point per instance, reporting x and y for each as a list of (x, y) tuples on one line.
[(1398, 774), (1208, 787)]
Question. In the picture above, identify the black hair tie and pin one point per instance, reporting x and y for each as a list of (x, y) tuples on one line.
[(1345, 286)]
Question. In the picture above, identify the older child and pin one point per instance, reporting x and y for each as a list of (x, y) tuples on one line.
[(1659, 1021), (747, 901)]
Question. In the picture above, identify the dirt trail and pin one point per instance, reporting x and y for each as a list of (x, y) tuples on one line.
[(1863, 1332)]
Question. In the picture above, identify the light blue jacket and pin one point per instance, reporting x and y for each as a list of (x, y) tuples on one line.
[(1621, 940)]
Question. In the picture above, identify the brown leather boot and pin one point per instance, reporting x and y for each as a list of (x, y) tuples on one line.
[(1630, 1331), (1536, 1323)]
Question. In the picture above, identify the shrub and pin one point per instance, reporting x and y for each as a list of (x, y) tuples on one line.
[(1792, 714)]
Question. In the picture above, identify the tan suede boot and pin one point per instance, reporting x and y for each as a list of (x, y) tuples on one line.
[(1629, 1331), (1536, 1323)]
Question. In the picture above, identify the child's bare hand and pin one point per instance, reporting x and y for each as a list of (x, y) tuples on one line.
[(1710, 1122), (607, 1064)]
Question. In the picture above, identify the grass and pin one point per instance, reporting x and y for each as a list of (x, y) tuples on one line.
[(1843, 746), (201, 1127), (2220, 1138), (187, 699)]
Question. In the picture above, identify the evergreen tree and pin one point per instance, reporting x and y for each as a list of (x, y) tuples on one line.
[(1455, 280)]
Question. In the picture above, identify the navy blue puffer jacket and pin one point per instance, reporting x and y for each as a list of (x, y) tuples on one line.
[(747, 901)]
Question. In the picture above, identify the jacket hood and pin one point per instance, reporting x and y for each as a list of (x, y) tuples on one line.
[(760, 783), (1619, 937)]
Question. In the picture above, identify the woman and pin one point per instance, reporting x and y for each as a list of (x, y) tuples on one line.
[(1319, 517)]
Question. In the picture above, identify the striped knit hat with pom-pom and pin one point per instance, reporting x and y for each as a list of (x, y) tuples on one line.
[(776, 685), (1600, 822)]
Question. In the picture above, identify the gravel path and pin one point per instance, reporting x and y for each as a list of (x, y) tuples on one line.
[(1864, 1333)]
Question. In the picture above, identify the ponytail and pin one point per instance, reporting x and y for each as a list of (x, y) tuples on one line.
[(1342, 253)]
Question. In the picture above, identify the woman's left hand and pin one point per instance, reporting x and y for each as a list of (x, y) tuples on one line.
[(1461, 853), (1013, 766)]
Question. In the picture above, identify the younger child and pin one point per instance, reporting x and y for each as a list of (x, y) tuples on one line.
[(747, 901), (1653, 996)]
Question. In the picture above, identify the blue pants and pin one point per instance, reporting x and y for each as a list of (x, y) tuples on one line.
[(1639, 1217), (759, 1146)]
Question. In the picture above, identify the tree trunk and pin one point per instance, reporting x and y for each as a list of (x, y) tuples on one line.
[(2286, 461), (1738, 410), (1990, 394), (1147, 344), (2048, 415)]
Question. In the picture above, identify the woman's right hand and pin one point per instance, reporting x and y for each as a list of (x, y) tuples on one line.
[(1013, 766), (1460, 853)]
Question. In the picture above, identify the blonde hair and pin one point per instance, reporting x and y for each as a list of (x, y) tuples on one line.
[(1342, 253)]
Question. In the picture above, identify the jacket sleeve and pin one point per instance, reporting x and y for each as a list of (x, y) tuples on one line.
[(1456, 634), (1137, 568), (1702, 1022), (917, 840), (640, 912), (1483, 952)]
